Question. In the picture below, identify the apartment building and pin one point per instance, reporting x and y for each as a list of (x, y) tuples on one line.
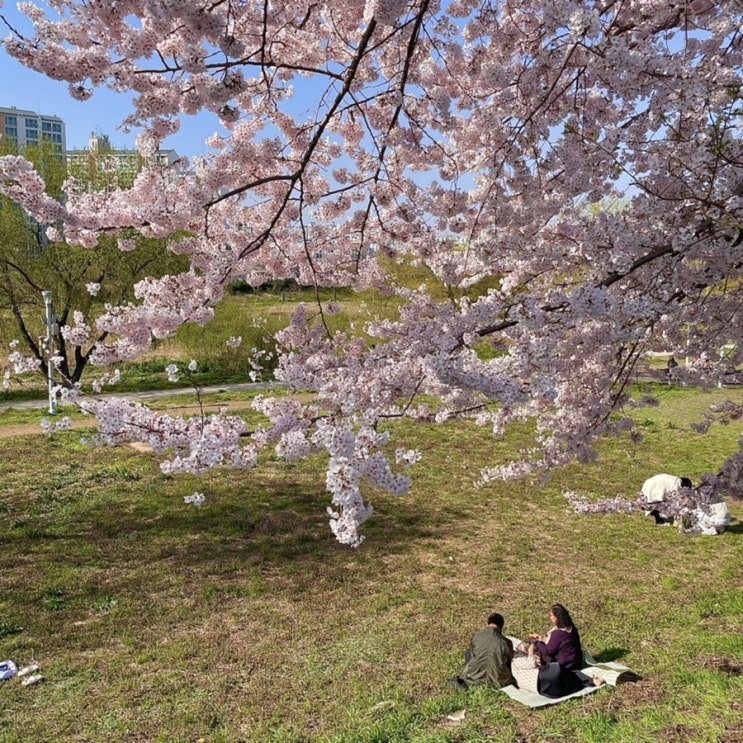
[(101, 167), (28, 127)]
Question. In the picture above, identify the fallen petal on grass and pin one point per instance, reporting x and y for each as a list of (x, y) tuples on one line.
[(387, 704)]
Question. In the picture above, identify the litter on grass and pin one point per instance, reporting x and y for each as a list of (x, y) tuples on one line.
[(8, 669)]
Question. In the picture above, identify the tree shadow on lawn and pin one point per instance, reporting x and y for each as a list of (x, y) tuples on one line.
[(274, 527), (271, 545), (609, 655)]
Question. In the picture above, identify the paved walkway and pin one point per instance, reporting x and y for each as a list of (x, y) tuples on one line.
[(25, 429), (148, 395)]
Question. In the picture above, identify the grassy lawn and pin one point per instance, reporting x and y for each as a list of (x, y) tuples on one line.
[(252, 317), (243, 620)]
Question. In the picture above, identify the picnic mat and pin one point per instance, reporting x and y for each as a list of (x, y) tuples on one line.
[(612, 673)]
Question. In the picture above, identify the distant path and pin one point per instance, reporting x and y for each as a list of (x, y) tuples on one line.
[(27, 429), (149, 395)]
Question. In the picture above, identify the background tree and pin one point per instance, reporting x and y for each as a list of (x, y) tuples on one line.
[(424, 127), (82, 280)]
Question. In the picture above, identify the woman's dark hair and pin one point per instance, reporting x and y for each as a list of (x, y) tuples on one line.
[(564, 620)]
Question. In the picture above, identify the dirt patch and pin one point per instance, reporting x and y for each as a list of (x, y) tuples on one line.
[(646, 692), (729, 666), (7, 432)]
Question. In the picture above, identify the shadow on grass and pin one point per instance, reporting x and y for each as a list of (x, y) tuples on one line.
[(272, 525), (609, 655), (250, 541)]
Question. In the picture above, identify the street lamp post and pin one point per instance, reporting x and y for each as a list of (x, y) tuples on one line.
[(50, 321)]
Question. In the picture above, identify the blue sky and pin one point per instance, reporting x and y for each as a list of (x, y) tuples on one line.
[(102, 114)]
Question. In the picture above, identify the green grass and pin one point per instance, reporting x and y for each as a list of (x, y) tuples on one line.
[(12, 417), (253, 317), (243, 620)]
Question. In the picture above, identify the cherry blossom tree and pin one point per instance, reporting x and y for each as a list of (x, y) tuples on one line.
[(472, 137)]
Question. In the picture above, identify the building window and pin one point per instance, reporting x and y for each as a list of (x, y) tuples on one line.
[(49, 137), (11, 121), (32, 123), (32, 134)]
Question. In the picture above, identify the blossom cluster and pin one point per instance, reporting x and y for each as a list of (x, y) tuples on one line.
[(108, 378), (564, 180), (62, 424), (79, 333)]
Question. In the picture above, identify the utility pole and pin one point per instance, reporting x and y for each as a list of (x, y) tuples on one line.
[(51, 323)]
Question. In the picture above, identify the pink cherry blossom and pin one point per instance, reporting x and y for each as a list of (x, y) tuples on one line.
[(566, 178)]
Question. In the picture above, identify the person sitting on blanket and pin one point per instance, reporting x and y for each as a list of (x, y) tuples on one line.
[(560, 656), (488, 659)]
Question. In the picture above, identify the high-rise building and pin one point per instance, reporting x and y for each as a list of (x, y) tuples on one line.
[(28, 127)]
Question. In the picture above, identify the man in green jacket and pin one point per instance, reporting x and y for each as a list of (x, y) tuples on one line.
[(488, 660)]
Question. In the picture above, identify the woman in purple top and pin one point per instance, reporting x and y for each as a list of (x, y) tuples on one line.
[(560, 657)]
